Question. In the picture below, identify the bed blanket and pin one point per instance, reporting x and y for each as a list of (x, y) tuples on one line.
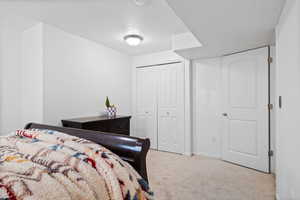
[(44, 164)]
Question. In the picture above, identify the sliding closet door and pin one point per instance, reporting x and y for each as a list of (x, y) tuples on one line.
[(171, 108), (146, 108)]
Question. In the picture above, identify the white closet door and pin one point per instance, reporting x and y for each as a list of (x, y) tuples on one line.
[(245, 136), (171, 108), (146, 116)]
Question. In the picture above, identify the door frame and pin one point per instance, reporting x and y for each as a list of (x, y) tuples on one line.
[(164, 58), (271, 110), (270, 106)]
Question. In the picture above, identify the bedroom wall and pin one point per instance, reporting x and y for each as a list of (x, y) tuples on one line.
[(32, 75), (288, 86), (10, 76), (207, 95), (11, 30), (47, 74), (79, 74)]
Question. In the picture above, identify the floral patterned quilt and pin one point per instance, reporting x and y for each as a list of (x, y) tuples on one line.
[(45, 164)]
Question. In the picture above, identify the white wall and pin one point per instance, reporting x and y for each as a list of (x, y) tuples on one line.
[(207, 99), (79, 74), (11, 30), (10, 76), (155, 58), (32, 75), (288, 86), (48, 74)]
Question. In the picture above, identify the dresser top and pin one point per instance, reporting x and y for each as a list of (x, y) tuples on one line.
[(94, 119)]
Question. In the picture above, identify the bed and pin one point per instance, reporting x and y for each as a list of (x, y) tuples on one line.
[(50, 162)]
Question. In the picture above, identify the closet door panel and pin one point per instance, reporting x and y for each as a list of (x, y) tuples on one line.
[(146, 116), (146, 90), (167, 131), (171, 108)]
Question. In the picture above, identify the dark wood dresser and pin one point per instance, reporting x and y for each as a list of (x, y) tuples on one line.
[(118, 124)]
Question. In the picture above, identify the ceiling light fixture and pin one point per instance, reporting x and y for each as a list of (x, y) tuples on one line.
[(133, 40)]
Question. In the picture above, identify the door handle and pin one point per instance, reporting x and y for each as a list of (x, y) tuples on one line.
[(225, 114)]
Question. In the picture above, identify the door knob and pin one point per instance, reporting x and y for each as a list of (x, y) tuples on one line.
[(225, 114)]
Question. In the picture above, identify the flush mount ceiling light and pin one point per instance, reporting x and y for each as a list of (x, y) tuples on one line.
[(133, 40)]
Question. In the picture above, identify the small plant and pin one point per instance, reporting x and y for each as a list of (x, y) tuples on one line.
[(107, 103), (110, 109)]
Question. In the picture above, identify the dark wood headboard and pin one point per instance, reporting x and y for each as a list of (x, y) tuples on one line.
[(131, 149)]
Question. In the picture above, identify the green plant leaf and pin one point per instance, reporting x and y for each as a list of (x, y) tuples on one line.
[(107, 103)]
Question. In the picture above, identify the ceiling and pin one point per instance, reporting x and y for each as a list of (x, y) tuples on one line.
[(105, 21), (222, 26), (227, 26)]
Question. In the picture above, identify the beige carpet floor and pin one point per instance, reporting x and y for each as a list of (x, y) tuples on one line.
[(178, 177)]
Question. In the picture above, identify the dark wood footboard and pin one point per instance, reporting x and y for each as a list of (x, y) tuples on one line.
[(131, 149)]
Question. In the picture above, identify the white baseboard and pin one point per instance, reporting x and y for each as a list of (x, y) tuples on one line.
[(207, 155)]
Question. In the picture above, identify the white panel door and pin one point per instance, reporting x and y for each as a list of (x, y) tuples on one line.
[(245, 136), (146, 116), (171, 108)]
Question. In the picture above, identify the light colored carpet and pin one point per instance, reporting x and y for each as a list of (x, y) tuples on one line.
[(178, 177)]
